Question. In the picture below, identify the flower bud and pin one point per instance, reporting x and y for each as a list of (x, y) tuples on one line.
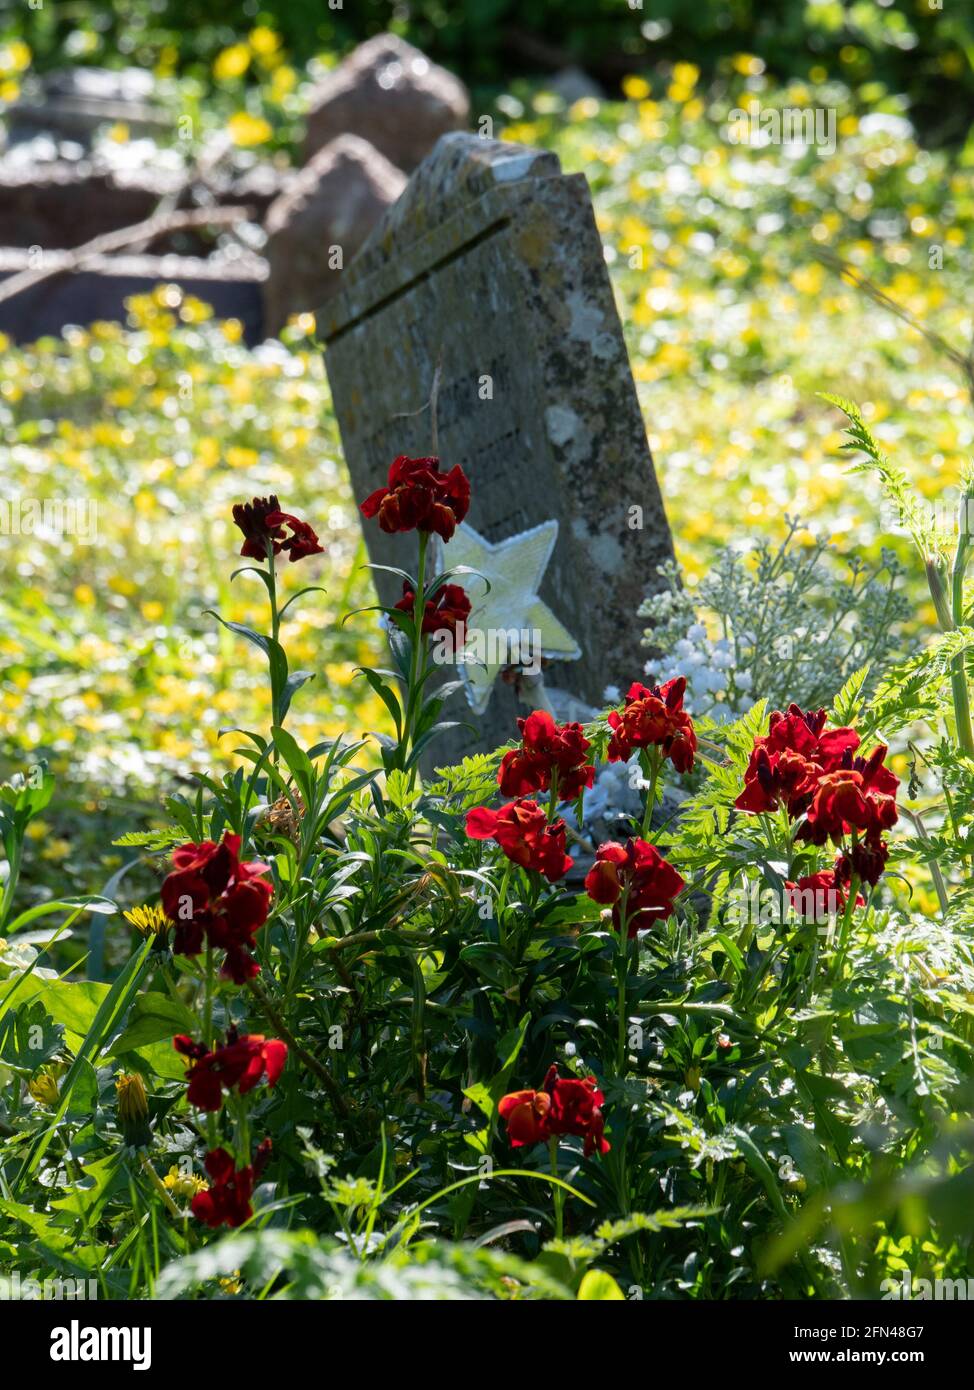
[(44, 1088), (133, 1109)]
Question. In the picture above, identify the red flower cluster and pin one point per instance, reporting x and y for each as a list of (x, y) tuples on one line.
[(242, 1061), (524, 833), (547, 750), (638, 871), (818, 896), (227, 1199), (211, 895), (653, 716), (816, 772), (263, 522), (564, 1105), (449, 606), (796, 750), (859, 796), (419, 497)]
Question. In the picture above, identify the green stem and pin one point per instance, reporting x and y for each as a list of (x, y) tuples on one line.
[(622, 982), (553, 796), (501, 905), (208, 999), (557, 1193), (161, 1188), (243, 1132), (958, 673), (654, 770), (277, 695), (13, 874), (846, 925), (272, 591), (416, 664), (211, 1130)]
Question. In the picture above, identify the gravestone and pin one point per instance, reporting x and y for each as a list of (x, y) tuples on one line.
[(388, 93), (77, 101), (490, 265), (99, 291), (334, 201)]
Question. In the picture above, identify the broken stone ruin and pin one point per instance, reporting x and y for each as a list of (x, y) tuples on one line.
[(256, 240)]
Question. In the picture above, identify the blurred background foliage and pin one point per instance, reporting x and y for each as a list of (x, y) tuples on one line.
[(922, 48)]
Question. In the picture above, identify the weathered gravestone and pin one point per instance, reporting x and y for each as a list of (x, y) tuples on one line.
[(491, 265)]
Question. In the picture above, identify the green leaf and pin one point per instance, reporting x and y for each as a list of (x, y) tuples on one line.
[(112, 1007), (87, 1193), (895, 483), (257, 638), (153, 1016), (597, 1286), (162, 839), (82, 1095), (298, 763), (386, 695), (292, 684), (73, 1004), (28, 1037), (849, 702)]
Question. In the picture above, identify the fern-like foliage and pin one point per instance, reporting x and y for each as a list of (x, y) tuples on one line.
[(469, 783), (896, 485), (155, 840), (916, 689), (848, 704)]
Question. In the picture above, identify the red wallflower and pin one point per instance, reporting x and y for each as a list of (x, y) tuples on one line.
[(242, 1061), (546, 749), (210, 895), (236, 917), (449, 606), (227, 1199), (262, 523), (858, 796), (253, 518), (817, 773), (787, 761), (526, 1114), (820, 895), (638, 867), (523, 832), (653, 716), (804, 732), (564, 1105), (419, 497), (867, 859), (199, 872), (576, 1108), (302, 541), (772, 778)]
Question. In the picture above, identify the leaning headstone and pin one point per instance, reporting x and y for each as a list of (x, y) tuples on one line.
[(390, 94), (319, 223), (490, 265)]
